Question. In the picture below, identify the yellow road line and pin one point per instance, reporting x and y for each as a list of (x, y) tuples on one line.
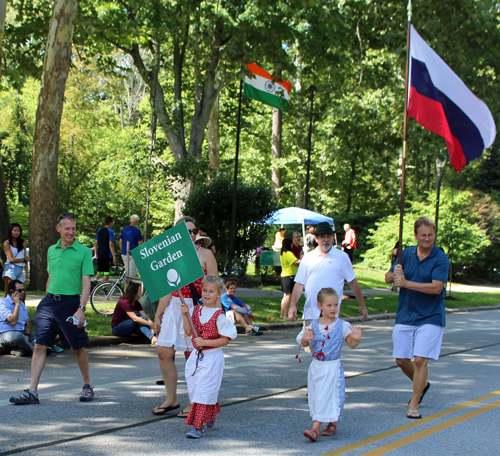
[(426, 432), (406, 427)]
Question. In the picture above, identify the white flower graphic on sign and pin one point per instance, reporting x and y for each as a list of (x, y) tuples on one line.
[(173, 277)]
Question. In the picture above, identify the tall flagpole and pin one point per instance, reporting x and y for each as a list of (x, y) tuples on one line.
[(235, 185), (403, 161), (312, 89)]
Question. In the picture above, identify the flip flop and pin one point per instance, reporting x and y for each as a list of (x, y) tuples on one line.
[(184, 414), (160, 382), (413, 414), (423, 393), (165, 409)]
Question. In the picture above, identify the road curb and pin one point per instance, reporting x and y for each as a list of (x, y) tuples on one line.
[(103, 341)]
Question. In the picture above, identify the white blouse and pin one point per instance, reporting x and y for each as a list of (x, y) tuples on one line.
[(224, 326), (346, 329)]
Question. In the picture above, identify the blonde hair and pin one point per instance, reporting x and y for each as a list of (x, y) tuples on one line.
[(324, 292), (216, 280)]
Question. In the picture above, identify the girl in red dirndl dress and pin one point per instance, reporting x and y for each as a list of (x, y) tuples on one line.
[(205, 365)]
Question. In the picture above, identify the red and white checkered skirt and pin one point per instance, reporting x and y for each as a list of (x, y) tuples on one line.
[(202, 413)]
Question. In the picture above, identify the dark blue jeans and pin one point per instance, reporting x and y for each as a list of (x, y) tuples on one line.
[(128, 327)]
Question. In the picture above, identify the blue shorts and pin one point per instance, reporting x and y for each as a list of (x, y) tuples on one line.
[(13, 271), (50, 320)]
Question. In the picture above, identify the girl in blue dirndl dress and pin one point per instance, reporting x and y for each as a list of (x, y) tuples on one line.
[(325, 380)]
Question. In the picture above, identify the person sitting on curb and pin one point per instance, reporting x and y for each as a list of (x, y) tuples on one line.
[(129, 316), (237, 311), (15, 325)]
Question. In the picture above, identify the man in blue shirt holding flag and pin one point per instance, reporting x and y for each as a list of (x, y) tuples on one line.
[(420, 319)]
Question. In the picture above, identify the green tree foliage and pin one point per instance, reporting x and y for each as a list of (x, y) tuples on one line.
[(17, 123), (103, 170), (132, 57), (459, 233), (26, 30), (210, 204)]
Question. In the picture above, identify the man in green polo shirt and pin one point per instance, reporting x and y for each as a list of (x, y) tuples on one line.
[(70, 268)]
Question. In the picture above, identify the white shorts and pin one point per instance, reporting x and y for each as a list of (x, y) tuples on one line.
[(14, 272), (171, 324), (410, 341)]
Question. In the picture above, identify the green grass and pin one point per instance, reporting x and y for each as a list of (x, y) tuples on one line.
[(97, 325), (370, 278), (35, 293), (268, 310)]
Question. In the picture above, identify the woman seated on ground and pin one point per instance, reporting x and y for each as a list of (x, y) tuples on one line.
[(125, 320)]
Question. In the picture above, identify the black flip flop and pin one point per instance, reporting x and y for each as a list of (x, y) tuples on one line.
[(160, 382), (165, 409), (183, 414), (423, 393)]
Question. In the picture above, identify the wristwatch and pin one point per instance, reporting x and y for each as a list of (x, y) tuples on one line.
[(82, 307)]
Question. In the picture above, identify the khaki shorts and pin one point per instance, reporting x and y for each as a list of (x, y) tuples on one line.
[(132, 268)]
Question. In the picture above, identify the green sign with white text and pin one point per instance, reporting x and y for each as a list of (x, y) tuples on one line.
[(168, 262)]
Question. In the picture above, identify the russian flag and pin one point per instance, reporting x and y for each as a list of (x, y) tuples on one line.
[(442, 103)]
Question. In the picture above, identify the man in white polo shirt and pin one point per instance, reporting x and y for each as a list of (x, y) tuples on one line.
[(324, 267)]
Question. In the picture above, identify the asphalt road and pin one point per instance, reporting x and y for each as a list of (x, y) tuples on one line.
[(264, 403)]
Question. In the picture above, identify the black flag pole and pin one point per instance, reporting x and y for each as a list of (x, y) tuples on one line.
[(403, 160), (312, 89), (235, 185)]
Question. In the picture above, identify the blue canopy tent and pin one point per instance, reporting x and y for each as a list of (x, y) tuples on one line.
[(292, 216), (298, 216)]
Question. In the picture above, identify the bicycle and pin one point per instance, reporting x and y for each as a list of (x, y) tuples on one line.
[(103, 297)]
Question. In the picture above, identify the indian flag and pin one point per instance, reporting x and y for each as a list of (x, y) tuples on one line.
[(263, 87)]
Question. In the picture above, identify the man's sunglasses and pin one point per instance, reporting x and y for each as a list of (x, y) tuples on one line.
[(193, 231), (20, 290), (65, 215)]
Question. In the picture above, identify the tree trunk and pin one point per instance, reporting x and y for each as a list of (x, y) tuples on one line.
[(206, 93), (4, 209), (214, 139), (181, 190), (276, 152), (43, 194)]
